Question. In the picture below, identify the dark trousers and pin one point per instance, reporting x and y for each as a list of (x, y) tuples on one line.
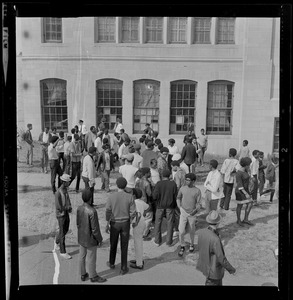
[(176, 218), (87, 186), (214, 282), (76, 166), (225, 201), (55, 169), (158, 224), (119, 229), (61, 157), (254, 194), (262, 181), (63, 223)]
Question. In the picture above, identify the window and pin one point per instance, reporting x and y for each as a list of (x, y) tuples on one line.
[(130, 29), (109, 101), (182, 108), (202, 29), (146, 105), (178, 30), (219, 107), (276, 145), (154, 30), (106, 28), (226, 28), (52, 30), (54, 104)]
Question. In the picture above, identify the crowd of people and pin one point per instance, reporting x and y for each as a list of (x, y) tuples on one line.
[(156, 181)]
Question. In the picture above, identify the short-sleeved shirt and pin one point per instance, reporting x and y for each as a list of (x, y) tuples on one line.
[(242, 181), (128, 172), (189, 197), (228, 166)]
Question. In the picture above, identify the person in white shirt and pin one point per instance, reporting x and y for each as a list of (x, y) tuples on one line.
[(214, 187), (202, 141), (128, 171), (98, 142), (54, 163), (44, 140), (83, 131), (60, 150), (228, 170), (254, 173), (89, 171), (118, 126), (173, 149), (137, 157), (67, 154)]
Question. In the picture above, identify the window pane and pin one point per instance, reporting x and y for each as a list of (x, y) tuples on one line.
[(108, 105), (130, 29), (226, 28), (146, 102), (202, 28), (106, 29), (182, 117), (52, 30), (178, 30)]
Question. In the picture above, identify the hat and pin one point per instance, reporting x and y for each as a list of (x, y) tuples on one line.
[(54, 139), (164, 149), (166, 173), (121, 182), (191, 176), (176, 156), (150, 144), (145, 170), (92, 149), (129, 157), (65, 177), (213, 217), (86, 194), (137, 147)]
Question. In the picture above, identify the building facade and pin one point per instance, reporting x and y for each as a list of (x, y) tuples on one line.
[(220, 74)]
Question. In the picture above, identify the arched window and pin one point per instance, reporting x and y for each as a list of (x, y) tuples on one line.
[(219, 107), (109, 101), (54, 103), (182, 107), (146, 105)]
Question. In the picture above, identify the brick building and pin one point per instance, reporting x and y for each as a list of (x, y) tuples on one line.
[(221, 74)]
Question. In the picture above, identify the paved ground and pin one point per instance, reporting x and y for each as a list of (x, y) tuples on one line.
[(39, 265)]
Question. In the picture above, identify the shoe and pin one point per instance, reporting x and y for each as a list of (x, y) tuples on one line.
[(98, 279), (156, 244), (147, 238), (180, 253), (134, 266), (191, 248), (110, 265), (66, 255), (84, 277), (240, 224), (133, 261), (175, 234), (247, 222), (123, 272), (56, 247)]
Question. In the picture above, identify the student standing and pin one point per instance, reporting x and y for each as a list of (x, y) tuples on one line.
[(212, 261), (75, 158), (54, 163), (254, 166), (128, 171), (162, 161), (120, 213), (189, 203), (29, 145), (118, 126), (106, 165), (228, 171), (67, 147), (214, 187), (44, 139), (142, 209), (244, 150), (89, 171), (241, 191), (164, 195), (261, 172), (148, 155), (60, 150), (203, 144), (63, 208), (189, 155), (137, 157), (89, 238)]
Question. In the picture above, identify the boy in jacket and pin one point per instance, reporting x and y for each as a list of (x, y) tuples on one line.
[(89, 238)]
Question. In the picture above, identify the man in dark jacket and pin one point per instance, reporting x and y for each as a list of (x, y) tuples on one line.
[(212, 261), (89, 237), (164, 195), (188, 154)]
